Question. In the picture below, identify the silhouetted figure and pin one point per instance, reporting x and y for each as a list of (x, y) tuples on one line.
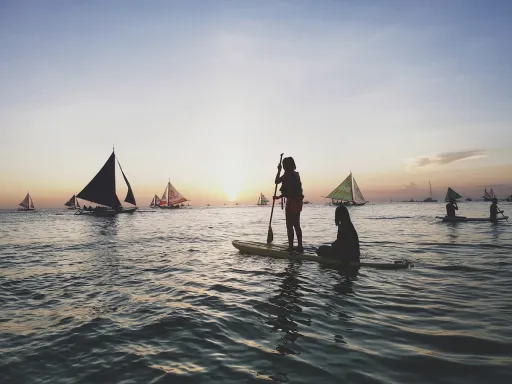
[(451, 207), (494, 210), (346, 245), (291, 189)]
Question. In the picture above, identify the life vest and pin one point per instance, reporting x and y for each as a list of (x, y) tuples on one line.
[(292, 186)]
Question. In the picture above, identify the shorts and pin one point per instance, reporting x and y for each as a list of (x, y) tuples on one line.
[(293, 205)]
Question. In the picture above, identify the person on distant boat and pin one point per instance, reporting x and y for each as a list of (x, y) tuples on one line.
[(451, 207), (346, 245), (291, 189), (494, 210)]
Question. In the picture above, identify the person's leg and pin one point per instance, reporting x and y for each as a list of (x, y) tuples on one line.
[(298, 231), (289, 229)]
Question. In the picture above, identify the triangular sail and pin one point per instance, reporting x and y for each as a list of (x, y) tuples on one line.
[(358, 195), (26, 201), (71, 202), (102, 188), (129, 195), (163, 200), (174, 196), (152, 202), (264, 200), (343, 191), (486, 195), (493, 196), (451, 194), (31, 203)]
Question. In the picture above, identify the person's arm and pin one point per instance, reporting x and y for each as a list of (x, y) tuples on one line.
[(279, 178), (456, 206)]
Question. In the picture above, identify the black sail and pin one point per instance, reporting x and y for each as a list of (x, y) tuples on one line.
[(71, 202), (129, 196), (102, 188)]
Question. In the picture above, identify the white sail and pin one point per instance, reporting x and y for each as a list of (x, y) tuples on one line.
[(163, 200), (174, 196), (358, 195), (26, 201)]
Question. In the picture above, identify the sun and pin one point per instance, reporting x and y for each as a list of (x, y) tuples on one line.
[(232, 188)]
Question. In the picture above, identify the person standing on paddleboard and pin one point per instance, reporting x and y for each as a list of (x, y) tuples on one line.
[(451, 207), (291, 189)]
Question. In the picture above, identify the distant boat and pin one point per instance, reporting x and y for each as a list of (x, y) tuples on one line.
[(27, 204), (347, 193), (430, 199), (469, 199), (155, 202), (509, 198), (72, 203), (306, 202), (262, 200), (102, 190), (171, 198), (451, 194), (488, 196)]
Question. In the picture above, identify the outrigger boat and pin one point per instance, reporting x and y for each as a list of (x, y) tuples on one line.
[(102, 190), (27, 205), (72, 203), (430, 199), (262, 200), (488, 196), (347, 193), (171, 198)]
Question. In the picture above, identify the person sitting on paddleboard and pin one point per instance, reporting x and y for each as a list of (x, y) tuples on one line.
[(291, 189), (494, 210), (451, 207), (346, 245)]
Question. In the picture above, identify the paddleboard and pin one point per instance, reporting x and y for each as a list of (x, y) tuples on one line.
[(280, 252), (462, 219)]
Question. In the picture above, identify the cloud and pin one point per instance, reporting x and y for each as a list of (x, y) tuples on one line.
[(411, 186), (441, 159)]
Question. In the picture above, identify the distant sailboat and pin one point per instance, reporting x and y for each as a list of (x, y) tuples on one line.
[(262, 200), (451, 194), (102, 190), (171, 198), (347, 193), (509, 198), (155, 202), (27, 204), (488, 196), (430, 199), (72, 203)]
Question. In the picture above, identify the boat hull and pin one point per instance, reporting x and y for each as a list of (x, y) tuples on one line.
[(462, 219), (280, 252)]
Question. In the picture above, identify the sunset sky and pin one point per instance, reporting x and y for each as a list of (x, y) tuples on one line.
[(209, 93)]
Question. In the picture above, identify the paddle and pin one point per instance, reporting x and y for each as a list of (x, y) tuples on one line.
[(270, 235), (500, 211)]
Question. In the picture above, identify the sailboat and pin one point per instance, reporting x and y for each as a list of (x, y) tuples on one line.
[(72, 203), (171, 198), (431, 198), (488, 196), (27, 204), (262, 200), (155, 202), (347, 193), (102, 190), (509, 198), (451, 194)]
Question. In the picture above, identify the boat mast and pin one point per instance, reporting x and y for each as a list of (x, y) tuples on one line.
[(168, 193), (430, 189)]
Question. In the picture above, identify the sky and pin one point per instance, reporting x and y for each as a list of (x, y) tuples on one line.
[(208, 94)]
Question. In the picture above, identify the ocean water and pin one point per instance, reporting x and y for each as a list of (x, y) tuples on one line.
[(163, 297)]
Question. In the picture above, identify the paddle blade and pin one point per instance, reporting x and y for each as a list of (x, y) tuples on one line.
[(270, 235)]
